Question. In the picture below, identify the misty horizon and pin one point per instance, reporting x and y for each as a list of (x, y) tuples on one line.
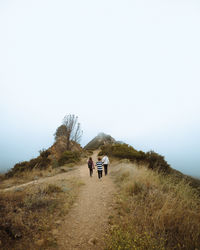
[(177, 159), (130, 69)]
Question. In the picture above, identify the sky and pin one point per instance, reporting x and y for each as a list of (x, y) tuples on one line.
[(127, 68)]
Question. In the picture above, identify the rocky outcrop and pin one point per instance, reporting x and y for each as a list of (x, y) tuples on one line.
[(60, 146)]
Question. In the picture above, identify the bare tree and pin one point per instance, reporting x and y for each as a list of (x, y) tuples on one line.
[(72, 129)]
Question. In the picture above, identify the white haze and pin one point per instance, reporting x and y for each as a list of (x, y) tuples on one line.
[(127, 68)]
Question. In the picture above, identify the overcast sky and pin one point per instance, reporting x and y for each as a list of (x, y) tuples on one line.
[(127, 68)]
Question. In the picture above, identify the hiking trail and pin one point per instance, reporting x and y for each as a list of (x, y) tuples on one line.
[(87, 222)]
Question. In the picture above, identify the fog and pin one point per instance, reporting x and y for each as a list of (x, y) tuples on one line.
[(126, 68)]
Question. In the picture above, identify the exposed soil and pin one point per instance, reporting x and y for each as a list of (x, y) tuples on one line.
[(87, 222)]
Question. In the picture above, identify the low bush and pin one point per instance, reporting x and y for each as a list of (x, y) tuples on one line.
[(41, 162), (69, 157), (124, 151), (51, 188), (54, 163), (37, 202), (44, 153), (2, 177)]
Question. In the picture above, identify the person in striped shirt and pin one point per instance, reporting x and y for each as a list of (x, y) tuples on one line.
[(99, 165)]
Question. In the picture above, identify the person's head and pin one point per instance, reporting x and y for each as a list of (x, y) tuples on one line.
[(99, 158), (90, 159)]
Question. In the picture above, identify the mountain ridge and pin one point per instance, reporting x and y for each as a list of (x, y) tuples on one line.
[(100, 140)]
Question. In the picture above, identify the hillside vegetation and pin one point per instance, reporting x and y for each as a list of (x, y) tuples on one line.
[(57, 155), (30, 216), (153, 211), (124, 151), (157, 207), (150, 160)]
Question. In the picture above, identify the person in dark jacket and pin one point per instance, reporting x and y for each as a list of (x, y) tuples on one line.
[(91, 166)]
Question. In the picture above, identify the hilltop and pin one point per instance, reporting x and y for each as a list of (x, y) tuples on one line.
[(100, 140)]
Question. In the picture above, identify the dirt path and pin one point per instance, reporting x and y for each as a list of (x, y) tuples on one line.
[(50, 179), (86, 224)]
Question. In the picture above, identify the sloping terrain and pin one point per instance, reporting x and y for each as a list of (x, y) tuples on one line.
[(100, 140)]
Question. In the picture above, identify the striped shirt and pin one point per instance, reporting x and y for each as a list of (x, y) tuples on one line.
[(99, 165)]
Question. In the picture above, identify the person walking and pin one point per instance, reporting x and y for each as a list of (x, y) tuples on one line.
[(99, 165), (105, 161), (91, 166)]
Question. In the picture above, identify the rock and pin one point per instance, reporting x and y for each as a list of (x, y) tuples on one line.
[(58, 222), (36, 178), (65, 189), (39, 242), (92, 241), (19, 189)]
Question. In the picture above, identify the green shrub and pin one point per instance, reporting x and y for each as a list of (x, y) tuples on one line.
[(157, 162), (55, 163), (40, 162), (153, 160), (69, 157), (44, 153)]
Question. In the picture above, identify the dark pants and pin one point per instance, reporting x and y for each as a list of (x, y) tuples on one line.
[(100, 174), (105, 168), (91, 172)]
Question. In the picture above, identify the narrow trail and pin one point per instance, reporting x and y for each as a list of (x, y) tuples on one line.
[(49, 180), (87, 222)]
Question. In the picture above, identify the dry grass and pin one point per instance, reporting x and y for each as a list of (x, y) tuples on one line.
[(154, 211), (36, 174), (28, 216)]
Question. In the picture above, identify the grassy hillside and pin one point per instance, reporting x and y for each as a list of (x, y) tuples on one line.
[(153, 211), (32, 214), (57, 155), (150, 160)]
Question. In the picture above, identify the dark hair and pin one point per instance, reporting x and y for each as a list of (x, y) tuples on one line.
[(99, 158), (90, 159)]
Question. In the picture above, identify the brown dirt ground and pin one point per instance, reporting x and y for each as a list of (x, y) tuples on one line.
[(86, 224)]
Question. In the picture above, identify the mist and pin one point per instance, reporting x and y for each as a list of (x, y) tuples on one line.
[(126, 68), (180, 151)]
